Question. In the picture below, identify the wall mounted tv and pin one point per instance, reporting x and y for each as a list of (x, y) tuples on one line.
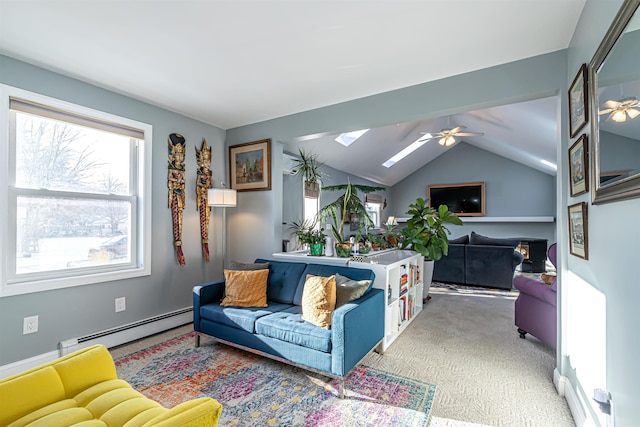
[(466, 199)]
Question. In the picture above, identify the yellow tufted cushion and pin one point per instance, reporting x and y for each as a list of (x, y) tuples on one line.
[(43, 386), (66, 417), (319, 300), (245, 288), (49, 409), (86, 368)]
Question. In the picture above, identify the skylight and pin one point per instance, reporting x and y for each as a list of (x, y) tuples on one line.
[(410, 149), (348, 138)]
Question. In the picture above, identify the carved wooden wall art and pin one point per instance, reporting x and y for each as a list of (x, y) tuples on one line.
[(175, 182), (203, 184)]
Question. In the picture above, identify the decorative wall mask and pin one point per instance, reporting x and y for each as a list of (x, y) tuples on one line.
[(203, 183), (175, 182)]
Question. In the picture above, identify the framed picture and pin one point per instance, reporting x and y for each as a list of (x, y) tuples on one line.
[(578, 166), (578, 106), (250, 166), (578, 235)]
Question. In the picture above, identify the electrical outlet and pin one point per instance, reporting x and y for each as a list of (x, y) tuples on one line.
[(30, 325), (121, 304)]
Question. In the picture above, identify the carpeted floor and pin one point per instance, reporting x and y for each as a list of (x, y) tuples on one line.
[(467, 344)]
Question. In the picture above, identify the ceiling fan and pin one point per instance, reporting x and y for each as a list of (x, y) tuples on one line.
[(619, 110), (448, 136)]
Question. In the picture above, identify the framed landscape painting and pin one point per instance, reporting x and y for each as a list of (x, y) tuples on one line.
[(578, 230), (250, 166), (578, 107), (579, 167)]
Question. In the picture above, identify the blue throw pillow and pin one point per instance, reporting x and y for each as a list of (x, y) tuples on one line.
[(478, 239)]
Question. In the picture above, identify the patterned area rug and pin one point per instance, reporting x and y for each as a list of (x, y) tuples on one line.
[(438, 287), (257, 391)]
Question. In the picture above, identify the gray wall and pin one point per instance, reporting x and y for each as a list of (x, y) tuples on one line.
[(612, 266), (512, 190), (72, 312)]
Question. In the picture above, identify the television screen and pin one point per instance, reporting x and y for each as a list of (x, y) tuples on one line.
[(466, 199)]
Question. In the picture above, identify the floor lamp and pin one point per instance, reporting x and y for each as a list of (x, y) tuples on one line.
[(223, 198)]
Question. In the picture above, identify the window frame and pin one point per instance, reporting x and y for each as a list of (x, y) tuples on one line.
[(140, 201)]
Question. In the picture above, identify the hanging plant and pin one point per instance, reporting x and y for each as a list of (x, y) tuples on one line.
[(308, 167)]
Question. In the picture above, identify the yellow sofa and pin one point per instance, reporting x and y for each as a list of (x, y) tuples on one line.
[(82, 389)]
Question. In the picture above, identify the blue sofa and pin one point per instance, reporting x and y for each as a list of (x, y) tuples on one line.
[(477, 260), (277, 331)]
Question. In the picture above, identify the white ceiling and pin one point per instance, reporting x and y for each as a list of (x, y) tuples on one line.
[(232, 63)]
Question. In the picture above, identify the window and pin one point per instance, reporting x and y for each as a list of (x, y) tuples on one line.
[(311, 208), (78, 191), (373, 206)]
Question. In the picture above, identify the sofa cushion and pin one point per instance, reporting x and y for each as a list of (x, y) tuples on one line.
[(283, 280), (478, 239), (244, 288), (319, 300), (239, 318), (329, 270), (349, 290), (462, 240), (288, 326)]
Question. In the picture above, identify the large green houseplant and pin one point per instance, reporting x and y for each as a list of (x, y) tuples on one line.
[(427, 234), (346, 204)]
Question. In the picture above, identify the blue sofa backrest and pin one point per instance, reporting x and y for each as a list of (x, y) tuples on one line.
[(328, 270), (283, 279)]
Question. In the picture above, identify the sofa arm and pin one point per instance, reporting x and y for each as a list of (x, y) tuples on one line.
[(356, 329), (205, 294), (193, 413), (535, 289)]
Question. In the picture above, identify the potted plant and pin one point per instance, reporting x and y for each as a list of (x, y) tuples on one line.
[(308, 167), (299, 228), (316, 239), (346, 204), (427, 234)]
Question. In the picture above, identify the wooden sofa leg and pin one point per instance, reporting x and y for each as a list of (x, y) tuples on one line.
[(197, 340), (341, 388), (522, 333)]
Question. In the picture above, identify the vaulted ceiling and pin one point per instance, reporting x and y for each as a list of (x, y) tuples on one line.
[(232, 63)]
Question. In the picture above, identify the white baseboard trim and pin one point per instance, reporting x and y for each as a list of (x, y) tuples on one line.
[(564, 388), (122, 335)]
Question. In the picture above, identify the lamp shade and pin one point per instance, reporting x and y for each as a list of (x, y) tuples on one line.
[(222, 197)]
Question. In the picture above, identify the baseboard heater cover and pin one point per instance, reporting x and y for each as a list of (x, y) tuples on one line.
[(129, 332)]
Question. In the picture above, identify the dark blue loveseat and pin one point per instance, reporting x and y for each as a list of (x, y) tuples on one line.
[(277, 331)]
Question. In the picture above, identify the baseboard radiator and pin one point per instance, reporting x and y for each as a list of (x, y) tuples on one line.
[(129, 332)]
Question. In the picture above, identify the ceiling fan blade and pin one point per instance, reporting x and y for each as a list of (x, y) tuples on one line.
[(455, 130), (608, 110), (469, 133), (612, 104)]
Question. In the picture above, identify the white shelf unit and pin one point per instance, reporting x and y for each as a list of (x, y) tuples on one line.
[(399, 275)]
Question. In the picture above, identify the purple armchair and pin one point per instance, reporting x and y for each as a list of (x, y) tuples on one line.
[(535, 311)]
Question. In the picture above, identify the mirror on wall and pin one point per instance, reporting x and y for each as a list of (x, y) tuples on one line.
[(614, 81)]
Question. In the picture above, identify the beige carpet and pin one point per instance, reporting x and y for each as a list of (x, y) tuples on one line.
[(468, 346)]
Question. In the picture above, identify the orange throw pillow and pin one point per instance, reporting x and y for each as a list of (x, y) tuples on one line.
[(245, 288), (319, 300)]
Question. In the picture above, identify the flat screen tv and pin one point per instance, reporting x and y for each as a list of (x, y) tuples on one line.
[(466, 199)]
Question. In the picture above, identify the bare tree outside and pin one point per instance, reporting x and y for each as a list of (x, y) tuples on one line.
[(65, 161)]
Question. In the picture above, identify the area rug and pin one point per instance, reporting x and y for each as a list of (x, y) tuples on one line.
[(257, 391), (438, 287)]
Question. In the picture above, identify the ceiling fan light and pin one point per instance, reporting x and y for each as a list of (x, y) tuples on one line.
[(442, 141), (633, 113), (449, 141), (619, 116)]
